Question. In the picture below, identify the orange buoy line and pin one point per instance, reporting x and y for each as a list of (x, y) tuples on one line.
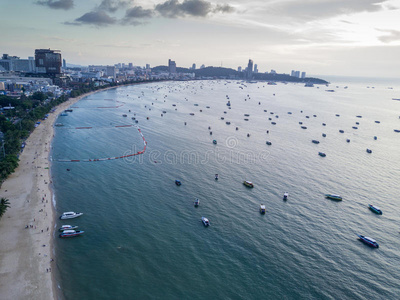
[(108, 158)]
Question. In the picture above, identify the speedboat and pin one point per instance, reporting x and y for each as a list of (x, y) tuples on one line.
[(303, 127), (59, 124), (70, 215), (315, 141), (322, 154), (369, 151), (215, 142), (341, 131), (368, 241), (333, 197), (178, 182), (268, 143), (262, 208), (196, 202), (248, 184), (324, 135), (375, 209), (205, 221), (71, 233), (67, 227), (285, 195), (216, 176), (348, 140)]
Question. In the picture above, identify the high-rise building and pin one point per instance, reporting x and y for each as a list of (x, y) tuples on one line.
[(292, 73), (64, 64), (130, 65), (202, 66), (48, 61), (171, 66), (303, 74), (239, 69), (255, 68), (14, 63), (250, 69), (297, 74), (147, 66)]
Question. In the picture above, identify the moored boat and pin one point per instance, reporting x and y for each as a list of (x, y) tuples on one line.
[(368, 241), (315, 141), (248, 184), (268, 143), (67, 227), (262, 208), (215, 142), (216, 176), (178, 182), (71, 233), (196, 202), (70, 215), (285, 195), (205, 221), (334, 197), (369, 151), (375, 209), (322, 154)]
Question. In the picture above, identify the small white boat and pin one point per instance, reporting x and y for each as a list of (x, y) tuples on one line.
[(67, 227), (70, 215), (285, 195), (205, 221), (262, 209), (71, 233)]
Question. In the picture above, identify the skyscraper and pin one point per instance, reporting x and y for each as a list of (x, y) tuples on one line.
[(172, 66), (255, 68), (194, 67), (250, 69), (303, 74), (48, 61)]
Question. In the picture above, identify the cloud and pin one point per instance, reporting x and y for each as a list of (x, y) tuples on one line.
[(97, 18), (112, 5), (60, 4), (391, 36), (134, 13), (196, 8), (317, 9)]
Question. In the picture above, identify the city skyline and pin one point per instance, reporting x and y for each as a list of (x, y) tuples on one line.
[(354, 38)]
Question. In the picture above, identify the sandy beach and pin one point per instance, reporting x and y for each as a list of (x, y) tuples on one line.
[(26, 229)]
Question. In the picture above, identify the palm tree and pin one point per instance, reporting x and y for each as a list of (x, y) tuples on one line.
[(4, 204)]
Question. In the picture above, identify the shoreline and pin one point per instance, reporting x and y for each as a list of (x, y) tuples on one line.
[(27, 228)]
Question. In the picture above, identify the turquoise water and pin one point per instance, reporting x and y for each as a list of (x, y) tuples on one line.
[(144, 238)]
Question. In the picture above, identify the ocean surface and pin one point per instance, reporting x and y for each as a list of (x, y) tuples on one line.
[(144, 238)]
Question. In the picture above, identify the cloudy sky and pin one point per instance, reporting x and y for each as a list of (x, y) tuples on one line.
[(321, 37)]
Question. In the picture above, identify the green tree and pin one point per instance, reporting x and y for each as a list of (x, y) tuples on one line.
[(4, 204)]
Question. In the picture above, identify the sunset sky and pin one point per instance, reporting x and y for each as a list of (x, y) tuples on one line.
[(321, 37)]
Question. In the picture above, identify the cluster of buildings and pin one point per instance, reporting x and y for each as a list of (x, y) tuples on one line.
[(250, 70), (46, 71)]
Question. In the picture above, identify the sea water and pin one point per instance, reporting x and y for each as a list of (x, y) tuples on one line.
[(143, 236)]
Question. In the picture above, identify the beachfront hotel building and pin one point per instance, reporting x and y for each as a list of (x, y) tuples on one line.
[(48, 61)]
